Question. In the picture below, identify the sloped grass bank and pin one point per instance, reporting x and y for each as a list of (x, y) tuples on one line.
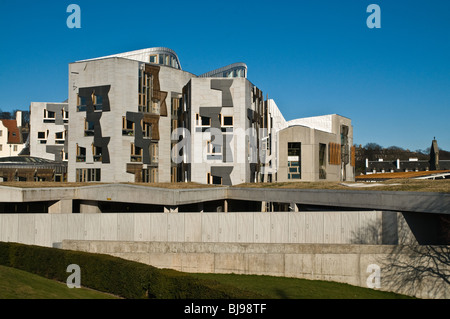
[(119, 277)]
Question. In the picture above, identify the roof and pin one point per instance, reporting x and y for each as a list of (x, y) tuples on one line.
[(399, 175), (25, 159), (13, 131)]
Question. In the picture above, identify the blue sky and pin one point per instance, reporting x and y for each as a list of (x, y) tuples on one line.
[(312, 57)]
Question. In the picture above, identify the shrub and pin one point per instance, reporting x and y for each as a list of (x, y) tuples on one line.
[(124, 278)]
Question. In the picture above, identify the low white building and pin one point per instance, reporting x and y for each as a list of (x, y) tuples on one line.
[(11, 138)]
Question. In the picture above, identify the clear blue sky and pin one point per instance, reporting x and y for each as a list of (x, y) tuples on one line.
[(312, 57)]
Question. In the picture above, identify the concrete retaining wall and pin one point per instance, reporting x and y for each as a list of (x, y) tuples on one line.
[(339, 263), (300, 227)]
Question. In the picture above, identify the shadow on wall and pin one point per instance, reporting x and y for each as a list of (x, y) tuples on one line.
[(417, 262), (415, 268)]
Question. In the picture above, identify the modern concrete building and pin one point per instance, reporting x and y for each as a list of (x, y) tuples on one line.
[(315, 149), (138, 117), (49, 125)]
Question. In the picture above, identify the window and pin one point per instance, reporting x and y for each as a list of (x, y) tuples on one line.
[(97, 153), (154, 58), (146, 129), (81, 154), (154, 153), (89, 128), (294, 161), (1, 133), (150, 175), (212, 149), (205, 121), (82, 104), (65, 115), (59, 138), (88, 175), (127, 127), (214, 180), (15, 148), (136, 153), (49, 116), (227, 121), (322, 162), (98, 102), (41, 135), (156, 108), (1, 147)]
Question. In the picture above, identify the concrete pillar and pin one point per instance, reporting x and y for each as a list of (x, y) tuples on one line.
[(89, 207), (64, 206), (263, 207), (225, 206), (294, 207)]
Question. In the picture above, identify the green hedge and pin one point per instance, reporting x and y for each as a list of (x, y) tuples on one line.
[(124, 278)]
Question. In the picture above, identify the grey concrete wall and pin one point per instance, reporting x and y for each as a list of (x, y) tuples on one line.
[(340, 263), (301, 227)]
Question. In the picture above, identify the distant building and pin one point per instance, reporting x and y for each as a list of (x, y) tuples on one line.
[(12, 139), (409, 165), (32, 169)]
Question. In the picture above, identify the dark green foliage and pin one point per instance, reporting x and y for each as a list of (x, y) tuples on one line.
[(128, 279)]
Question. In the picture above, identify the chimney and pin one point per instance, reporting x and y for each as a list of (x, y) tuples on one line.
[(19, 118)]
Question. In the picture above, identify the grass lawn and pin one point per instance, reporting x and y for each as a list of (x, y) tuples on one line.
[(18, 284), (393, 185), (293, 288)]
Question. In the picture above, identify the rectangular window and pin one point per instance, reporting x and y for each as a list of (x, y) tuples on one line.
[(89, 128), (154, 153), (127, 127), (41, 135), (136, 153), (97, 153), (154, 58), (214, 180), (156, 108), (150, 175), (1, 133), (212, 149), (205, 121), (1, 147), (88, 175), (15, 148), (146, 129), (98, 102), (294, 161), (322, 162), (227, 121), (81, 104), (49, 116), (81, 154)]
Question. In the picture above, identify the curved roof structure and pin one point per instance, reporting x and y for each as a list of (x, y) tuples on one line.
[(235, 70), (158, 55)]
